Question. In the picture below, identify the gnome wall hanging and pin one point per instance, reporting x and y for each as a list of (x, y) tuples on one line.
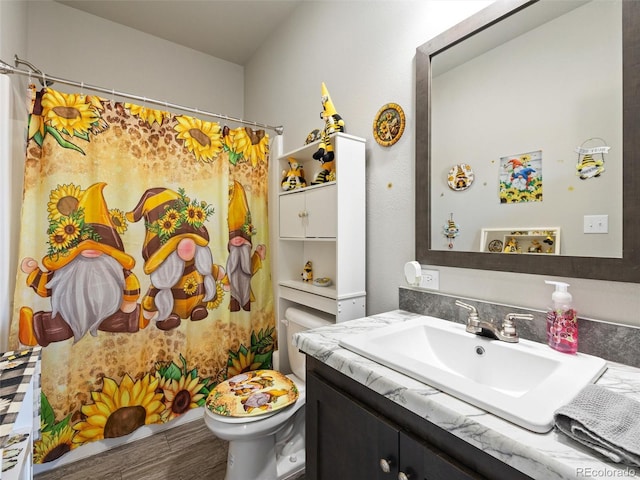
[(332, 123), (451, 230), (591, 158)]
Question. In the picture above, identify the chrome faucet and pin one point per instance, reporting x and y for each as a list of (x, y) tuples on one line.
[(505, 331)]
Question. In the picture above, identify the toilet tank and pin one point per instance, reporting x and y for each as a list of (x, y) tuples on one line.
[(299, 319)]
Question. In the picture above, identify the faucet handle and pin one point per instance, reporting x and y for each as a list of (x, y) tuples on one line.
[(508, 325), (473, 312), (473, 321)]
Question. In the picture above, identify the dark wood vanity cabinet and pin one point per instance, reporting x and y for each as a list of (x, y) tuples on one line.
[(348, 438), (353, 442)]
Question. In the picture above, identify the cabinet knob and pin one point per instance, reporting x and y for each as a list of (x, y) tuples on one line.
[(403, 476), (385, 465), (303, 214)]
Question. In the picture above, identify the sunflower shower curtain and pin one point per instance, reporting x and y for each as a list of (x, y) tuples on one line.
[(144, 263)]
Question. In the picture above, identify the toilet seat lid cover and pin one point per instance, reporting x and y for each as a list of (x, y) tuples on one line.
[(253, 393)]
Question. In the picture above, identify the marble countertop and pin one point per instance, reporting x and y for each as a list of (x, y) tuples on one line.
[(545, 456)]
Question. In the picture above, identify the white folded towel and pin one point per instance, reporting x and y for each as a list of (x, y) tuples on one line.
[(605, 421)]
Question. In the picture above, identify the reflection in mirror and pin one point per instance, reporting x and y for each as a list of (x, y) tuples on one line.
[(515, 115), (513, 107)]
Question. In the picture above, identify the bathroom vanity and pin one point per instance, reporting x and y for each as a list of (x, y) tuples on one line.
[(348, 437), (364, 418)]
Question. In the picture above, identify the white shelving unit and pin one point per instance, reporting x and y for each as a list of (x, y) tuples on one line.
[(324, 224)]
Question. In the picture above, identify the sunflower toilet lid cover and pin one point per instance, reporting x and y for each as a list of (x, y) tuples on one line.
[(252, 393)]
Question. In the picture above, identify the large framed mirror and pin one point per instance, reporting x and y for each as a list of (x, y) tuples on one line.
[(501, 95)]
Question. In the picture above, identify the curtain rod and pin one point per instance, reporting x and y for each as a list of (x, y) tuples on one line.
[(47, 80)]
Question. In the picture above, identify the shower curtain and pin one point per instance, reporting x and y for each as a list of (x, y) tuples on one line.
[(144, 268)]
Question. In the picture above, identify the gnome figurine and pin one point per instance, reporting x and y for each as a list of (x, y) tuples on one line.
[(307, 272), (294, 177), (332, 123)]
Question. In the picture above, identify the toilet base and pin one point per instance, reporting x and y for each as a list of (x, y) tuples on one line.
[(276, 468), (284, 454)]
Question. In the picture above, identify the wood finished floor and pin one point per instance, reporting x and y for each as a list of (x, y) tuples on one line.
[(186, 452)]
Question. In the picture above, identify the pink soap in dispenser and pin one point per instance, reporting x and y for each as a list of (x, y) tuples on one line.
[(562, 320)]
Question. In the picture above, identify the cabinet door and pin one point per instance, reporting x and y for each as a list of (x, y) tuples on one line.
[(345, 441), (321, 208), (292, 211), (420, 460)]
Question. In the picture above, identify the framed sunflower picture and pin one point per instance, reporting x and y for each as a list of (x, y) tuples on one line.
[(388, 125)]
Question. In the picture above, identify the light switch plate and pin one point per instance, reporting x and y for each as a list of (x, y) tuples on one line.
[(596, 224)]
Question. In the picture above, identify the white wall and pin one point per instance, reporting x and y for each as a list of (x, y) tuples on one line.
[(71, 44), (365, 51), (74, 45)]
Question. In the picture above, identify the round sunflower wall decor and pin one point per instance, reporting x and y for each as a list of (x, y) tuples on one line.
[(388, 125)]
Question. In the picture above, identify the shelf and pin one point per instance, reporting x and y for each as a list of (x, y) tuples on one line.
[(307, 151), (329, 292), (308, 239), (521, 241), (308, 299), (306, 189)]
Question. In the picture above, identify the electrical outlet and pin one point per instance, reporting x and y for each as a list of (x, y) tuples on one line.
[(430, 279)]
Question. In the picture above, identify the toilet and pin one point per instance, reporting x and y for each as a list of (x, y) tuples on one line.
[(270, 446)]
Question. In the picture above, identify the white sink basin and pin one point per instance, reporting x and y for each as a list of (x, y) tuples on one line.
[(522, 382)]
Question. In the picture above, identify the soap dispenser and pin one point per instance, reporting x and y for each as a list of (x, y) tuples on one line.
[(562, 320)]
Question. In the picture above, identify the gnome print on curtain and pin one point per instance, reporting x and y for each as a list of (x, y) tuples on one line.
[(241, 263), (85, 253), (176, 257)]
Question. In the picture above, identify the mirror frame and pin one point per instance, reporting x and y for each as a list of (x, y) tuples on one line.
[(625, 269)]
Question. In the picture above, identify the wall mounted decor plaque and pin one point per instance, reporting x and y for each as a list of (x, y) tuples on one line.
[(388, 125), (460, 177)]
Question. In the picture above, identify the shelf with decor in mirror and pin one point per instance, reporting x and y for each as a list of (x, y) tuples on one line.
[(529, 241)]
